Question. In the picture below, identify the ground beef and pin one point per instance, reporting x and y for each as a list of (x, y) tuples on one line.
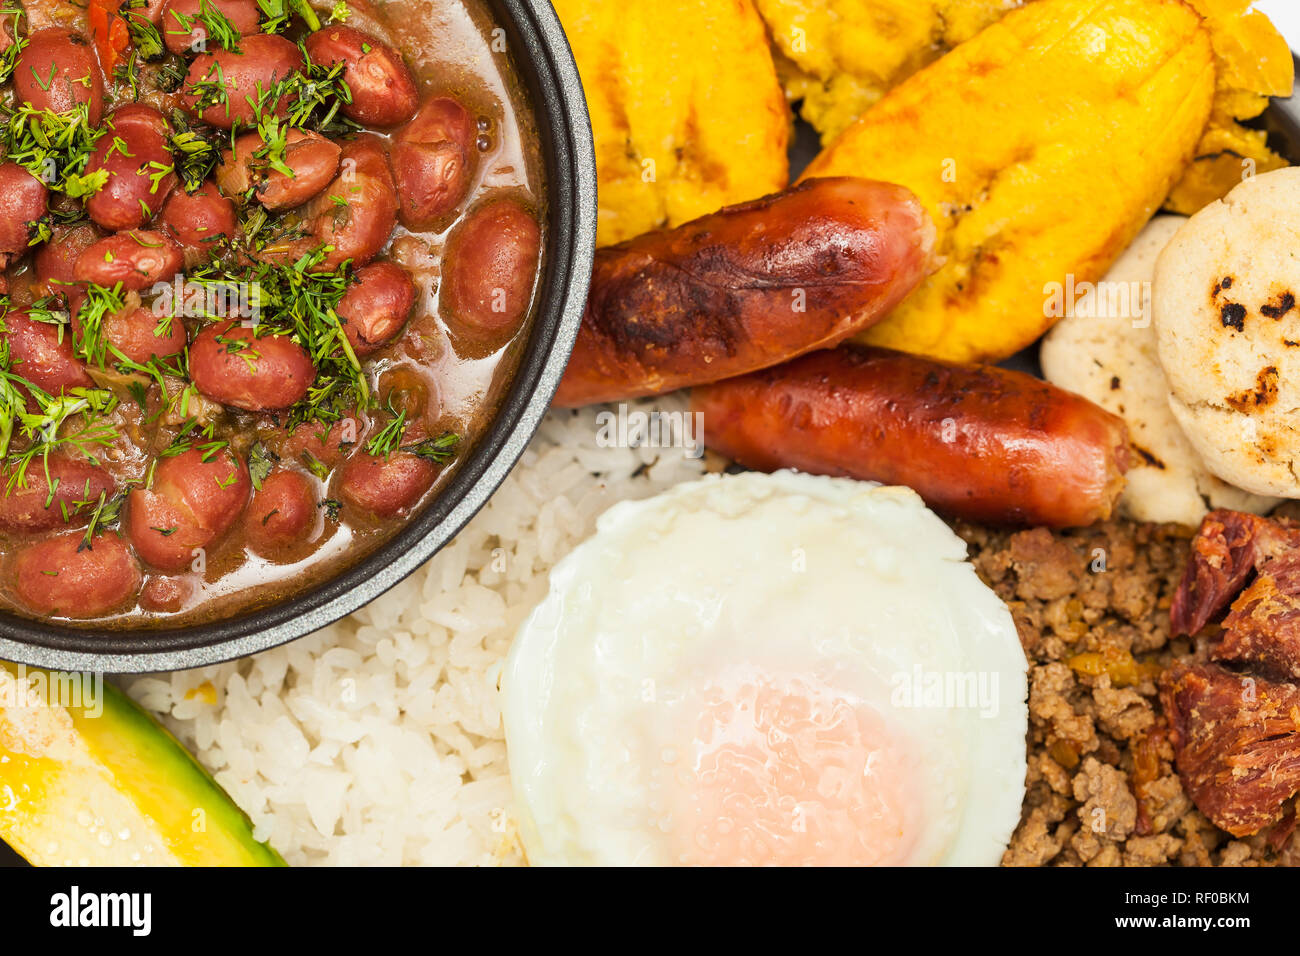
[(1092, 610)]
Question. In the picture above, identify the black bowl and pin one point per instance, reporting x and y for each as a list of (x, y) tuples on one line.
[(545, 65)]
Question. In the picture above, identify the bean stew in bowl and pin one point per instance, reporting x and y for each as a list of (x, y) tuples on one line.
[(276, 273)]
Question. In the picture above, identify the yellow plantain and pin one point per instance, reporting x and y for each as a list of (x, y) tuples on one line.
[(685, 105), (1040, 147)]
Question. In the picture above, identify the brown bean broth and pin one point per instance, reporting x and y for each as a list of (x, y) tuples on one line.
[(448, 44)]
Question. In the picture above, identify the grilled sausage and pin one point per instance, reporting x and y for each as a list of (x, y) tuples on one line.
[(976, 442), (746, 288)]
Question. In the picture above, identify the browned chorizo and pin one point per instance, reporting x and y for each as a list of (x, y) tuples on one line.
[(746, 288), (976, 442)]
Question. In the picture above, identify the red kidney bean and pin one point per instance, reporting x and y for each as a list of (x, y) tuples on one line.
[(313, 159), (136, 156), (183, 32), (200, 221), (54, 495), (150, 10), (264, 59), (386, 487), (22, 202), (434, 156), (61, 576), (195, 498), (402, 389), (376, 306), (55, 262), (489, 269), (164, 594), (383, 89), (314, 442), (140, 335), (137, 259), (231, 365), (361, 16), (281, 514), (42, 354), (57, 71), (358, 211)]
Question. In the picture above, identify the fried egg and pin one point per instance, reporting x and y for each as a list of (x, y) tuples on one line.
[(767, 669)]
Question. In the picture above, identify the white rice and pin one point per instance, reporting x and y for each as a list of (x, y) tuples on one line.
[(378, 740)]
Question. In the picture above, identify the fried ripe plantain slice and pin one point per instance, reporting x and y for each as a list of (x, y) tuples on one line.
[(1253, 62), (1040, 147), (838, 57), (686, 108)]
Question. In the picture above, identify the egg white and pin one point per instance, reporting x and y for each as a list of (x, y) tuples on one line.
[(847, 590)]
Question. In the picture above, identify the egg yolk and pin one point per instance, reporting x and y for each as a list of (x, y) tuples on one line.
[(790, 772)]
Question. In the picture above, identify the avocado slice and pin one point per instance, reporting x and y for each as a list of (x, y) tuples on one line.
[(102, 783)]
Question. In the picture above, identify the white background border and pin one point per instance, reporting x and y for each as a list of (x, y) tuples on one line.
[(1285, 15)]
